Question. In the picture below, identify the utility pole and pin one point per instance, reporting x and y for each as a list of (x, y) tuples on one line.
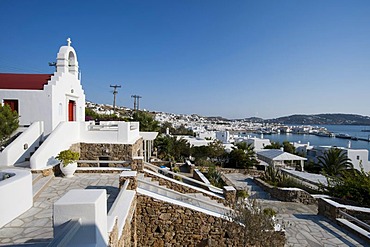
[(114, 95), (136, 101), (134, 96)]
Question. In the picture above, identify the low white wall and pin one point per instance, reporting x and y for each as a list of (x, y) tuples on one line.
[(22, 146), (91, 207), (68, 133), (15, 194), (121, 209), (64, 135)]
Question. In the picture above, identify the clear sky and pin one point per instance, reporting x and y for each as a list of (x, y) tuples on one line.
[(225, 58)]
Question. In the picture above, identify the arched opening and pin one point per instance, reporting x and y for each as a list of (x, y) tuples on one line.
[(71, 61)]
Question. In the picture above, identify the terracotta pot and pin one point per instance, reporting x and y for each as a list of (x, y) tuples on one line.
[(69, 169)]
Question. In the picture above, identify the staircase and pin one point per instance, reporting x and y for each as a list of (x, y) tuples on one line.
[(34, 150), (197, 200)]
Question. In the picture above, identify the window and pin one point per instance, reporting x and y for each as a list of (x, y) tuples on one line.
[(358, 157), (13, 103)]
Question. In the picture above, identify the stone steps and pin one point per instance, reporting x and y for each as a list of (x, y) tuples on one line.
[(39, 184), (199, 199), (354, 228)]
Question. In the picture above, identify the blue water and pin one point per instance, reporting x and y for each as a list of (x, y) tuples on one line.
[(352, 130)]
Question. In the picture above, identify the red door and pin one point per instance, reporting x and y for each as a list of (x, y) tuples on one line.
[(13, 103), (71, 110)]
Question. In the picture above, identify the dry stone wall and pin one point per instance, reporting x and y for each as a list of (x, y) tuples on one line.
[(300, 196), (164, 224), (93, 151)]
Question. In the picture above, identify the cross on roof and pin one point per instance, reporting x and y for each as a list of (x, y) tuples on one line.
[(69, 41)]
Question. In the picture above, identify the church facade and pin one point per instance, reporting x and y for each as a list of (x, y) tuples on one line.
[(51, 98)]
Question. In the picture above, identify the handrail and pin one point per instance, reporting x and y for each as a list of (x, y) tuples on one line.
[(184, 177), (350, 217), (124, 187), (186, 196), (67, 233)]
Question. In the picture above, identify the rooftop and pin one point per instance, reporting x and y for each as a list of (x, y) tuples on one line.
[(24, 81)]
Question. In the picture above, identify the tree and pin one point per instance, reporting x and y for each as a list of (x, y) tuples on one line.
[(243, 156), (273, 145), (288, 147), (172, 148), (146, 120), (334, 161), (9, 122)]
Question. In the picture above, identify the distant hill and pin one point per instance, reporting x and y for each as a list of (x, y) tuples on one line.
[(335, 119)]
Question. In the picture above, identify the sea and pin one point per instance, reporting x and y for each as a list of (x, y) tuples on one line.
[(352, 130)]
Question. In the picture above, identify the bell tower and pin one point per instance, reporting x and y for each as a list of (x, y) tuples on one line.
[(67, 59)]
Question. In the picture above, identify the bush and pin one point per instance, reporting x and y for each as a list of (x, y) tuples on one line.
[(242, 194), (214, 177), (352, 185), (8, 122), (258, 225)]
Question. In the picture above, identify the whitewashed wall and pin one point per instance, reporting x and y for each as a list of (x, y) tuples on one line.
[(21, 147)]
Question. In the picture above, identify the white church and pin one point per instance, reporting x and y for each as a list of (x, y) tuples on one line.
[(51, 108), (51, 98)]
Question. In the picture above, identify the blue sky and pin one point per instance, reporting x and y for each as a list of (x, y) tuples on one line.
[(233, 59)]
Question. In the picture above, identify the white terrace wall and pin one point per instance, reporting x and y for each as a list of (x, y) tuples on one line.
[(16, 195), (22, 146), (68, 133)]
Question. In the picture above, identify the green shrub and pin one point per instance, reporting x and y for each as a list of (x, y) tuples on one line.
[(269, 212), (242, 194), (67, 157)]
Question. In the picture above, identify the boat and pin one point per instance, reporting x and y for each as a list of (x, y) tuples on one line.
[(343, 136)]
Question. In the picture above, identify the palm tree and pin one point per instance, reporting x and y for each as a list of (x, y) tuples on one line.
[(334, 161)]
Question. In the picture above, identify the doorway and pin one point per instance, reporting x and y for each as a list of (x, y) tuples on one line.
[(71, 110)]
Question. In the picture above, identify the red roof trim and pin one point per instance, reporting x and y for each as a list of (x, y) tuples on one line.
[(24, 81)]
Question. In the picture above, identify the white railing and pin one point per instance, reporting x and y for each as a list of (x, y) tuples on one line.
[(121, 208), (165, 171), (354, 219), (23, 145), (185, 198)]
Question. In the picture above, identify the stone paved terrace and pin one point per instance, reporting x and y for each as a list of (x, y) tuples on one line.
[(303, 226), (35, 225)]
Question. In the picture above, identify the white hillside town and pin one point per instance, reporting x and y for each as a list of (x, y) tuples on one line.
[(128, 187)]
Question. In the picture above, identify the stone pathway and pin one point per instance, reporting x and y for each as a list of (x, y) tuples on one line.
[(36, 226), (303, 226)]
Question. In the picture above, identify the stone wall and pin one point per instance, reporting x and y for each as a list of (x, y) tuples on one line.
[(286, 195), (251, 172), (92, 151), (164, 224), (181, 188)]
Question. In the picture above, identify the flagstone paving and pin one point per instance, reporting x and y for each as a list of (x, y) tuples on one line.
[(35, 225), (303, 226)]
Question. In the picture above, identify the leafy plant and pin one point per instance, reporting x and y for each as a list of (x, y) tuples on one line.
[(214, 177), (67, 157), (352, 185), (269, 212), (9, 122), (242, 194), (334, 161), (258, 224)]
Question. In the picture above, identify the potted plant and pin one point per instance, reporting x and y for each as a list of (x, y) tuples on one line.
[(68, 164)]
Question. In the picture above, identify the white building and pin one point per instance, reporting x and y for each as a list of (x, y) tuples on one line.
[(358, 157), (51, 98), (223, 136), (257, 143)]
